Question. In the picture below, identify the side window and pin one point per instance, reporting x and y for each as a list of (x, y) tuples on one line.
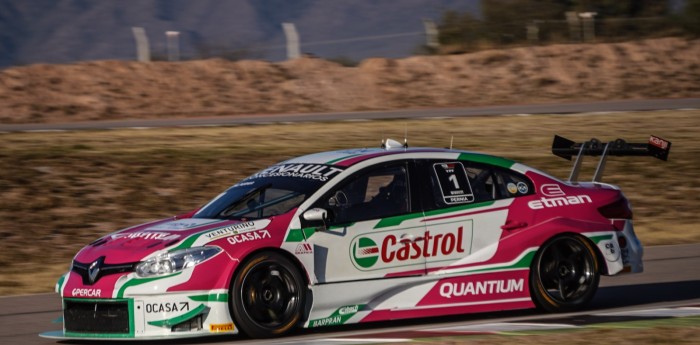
[(373, 194), (511, 184), (455, 183), (482, 179)]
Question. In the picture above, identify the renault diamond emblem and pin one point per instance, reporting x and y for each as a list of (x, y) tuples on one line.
[(94, 269)]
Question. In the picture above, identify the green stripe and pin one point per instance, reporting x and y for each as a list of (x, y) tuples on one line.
[(394, 221), (337, 319), (179, 319), (458, 208), (524, 262), (481, 158), (187, 243), (597, 239), (214, 297), (299, 235), (60, 282), (139, 281)]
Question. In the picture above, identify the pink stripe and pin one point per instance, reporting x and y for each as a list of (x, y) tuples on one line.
[(383, 315)]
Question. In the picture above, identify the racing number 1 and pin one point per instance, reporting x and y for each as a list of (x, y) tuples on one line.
[(453, 179)]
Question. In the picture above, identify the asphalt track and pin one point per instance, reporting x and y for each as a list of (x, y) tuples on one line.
[(671, 278), (232, 120)]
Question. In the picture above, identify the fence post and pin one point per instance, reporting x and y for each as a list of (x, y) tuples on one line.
[(574, 26), (290, 32), (588, 25), (143, 51), (533, 32), (431, 34), (173, 39)]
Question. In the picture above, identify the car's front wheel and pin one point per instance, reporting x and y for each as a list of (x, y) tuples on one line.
[(565, 274), (267, 295)]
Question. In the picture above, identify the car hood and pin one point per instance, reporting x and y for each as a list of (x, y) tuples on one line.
[(136, 243)]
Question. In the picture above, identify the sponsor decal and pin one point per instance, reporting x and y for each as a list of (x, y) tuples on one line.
[(551, 190), (366, 252), (170, 307), (611, 250), (148, 235), (229, 230), (181, 224), (86, 292), (490, 287), (658, 142), (512, 189), (304, 248), (522, 187), (559, 201), (249, 236), (318, 172), (327, 321), (453, 182), (339, 317), (222, 327), (351, 309)]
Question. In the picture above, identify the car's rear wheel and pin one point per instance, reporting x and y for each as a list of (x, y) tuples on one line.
[(267, 295), (565, 274)]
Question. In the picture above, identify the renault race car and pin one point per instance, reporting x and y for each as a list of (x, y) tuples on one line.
[(356, 236)]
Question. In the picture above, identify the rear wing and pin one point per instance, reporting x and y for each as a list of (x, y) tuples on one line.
[(565, 148)]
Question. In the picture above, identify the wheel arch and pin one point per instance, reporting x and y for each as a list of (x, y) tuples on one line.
[(287, 255), (600, 259), (599, 265), (291, 257)]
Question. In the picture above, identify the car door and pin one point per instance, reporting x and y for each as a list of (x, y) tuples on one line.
[(375, 227), (465, 209)]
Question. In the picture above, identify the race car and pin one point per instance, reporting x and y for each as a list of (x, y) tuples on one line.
[(361, 235)]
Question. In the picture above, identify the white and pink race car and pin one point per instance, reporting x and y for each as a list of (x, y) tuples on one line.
[(357, 236)]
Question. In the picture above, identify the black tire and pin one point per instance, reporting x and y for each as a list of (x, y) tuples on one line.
[(267, 296), (565, 274)]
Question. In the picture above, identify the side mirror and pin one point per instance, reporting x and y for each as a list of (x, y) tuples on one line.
[(315, 217)]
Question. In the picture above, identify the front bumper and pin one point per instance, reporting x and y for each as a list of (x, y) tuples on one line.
[(172, 315)]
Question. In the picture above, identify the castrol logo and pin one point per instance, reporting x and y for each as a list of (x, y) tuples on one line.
[(389, 250)]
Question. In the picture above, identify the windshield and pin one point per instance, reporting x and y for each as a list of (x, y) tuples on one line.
[(275, 190)]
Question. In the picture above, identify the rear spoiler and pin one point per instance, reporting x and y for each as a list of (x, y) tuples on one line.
[(565, 148)]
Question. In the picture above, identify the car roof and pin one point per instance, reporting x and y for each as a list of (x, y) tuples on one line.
[(347, 158)]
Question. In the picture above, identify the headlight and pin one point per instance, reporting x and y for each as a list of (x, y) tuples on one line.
[(176, 261)]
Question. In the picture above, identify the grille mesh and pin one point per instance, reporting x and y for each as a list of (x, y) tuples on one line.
[(96, 317)]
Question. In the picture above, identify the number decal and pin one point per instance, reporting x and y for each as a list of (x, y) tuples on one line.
[(453, 178), (453, 182)]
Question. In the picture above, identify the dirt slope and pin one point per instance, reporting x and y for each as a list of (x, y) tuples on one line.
[(659, 68)]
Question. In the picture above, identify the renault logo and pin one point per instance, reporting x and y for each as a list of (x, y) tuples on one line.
[(94, 269)]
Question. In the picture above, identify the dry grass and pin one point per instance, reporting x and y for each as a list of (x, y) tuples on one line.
[(61, 190)]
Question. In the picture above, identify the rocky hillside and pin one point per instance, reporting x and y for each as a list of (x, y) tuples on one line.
[(101, 90)]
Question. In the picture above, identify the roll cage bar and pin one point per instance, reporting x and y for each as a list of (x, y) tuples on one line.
[(565, 148)]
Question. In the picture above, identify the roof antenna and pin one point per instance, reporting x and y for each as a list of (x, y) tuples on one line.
[(405, 136), (452, 138), (383, 143)]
